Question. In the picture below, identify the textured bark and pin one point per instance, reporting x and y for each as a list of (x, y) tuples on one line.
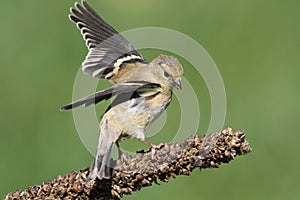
[(141, 170)]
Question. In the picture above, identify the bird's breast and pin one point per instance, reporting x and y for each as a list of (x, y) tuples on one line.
[(131, 118)]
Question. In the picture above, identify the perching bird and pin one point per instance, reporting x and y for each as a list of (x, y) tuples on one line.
[(142, 90)]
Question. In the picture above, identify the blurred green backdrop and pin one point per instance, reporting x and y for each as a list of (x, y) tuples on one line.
[(254, 43)]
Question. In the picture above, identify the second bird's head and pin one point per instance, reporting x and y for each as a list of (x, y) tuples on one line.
[(172, 71)]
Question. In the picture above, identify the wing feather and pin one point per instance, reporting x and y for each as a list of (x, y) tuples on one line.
[(107, 48), (133, 88)]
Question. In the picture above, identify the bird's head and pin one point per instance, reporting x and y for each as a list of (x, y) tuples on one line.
[(172, 71)]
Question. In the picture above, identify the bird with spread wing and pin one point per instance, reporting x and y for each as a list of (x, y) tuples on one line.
[(142, 89)]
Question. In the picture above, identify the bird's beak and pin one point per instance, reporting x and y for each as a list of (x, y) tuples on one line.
[(178, 84)]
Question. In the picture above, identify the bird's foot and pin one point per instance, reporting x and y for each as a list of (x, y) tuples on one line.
[(154, 148), (122, 156)]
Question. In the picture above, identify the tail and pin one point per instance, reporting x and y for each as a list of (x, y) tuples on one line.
[(102, 165)]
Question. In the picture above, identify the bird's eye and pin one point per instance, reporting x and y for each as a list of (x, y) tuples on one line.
[(166, 74)]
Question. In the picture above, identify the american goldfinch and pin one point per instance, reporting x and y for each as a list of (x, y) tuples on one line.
[(142, 90)]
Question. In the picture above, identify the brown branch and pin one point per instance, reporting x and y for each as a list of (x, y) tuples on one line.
[(173, 159)]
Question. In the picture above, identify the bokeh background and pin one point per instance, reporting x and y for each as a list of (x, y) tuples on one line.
[(254, 43)]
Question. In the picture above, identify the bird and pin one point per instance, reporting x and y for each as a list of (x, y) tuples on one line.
[(141, 92)]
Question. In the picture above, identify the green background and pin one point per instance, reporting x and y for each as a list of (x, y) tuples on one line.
[(254, 43)]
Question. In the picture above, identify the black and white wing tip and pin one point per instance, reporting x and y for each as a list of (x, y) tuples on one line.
[(108, 50)]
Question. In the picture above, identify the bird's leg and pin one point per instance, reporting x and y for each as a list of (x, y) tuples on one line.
[(153, 146), (122, 156)]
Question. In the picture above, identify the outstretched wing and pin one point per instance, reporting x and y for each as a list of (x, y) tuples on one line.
[(136, 89), (108, 50)]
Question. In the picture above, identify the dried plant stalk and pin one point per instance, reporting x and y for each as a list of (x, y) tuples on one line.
[(173, 159)]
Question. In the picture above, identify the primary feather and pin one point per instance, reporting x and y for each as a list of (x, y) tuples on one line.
[(108, 50)]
